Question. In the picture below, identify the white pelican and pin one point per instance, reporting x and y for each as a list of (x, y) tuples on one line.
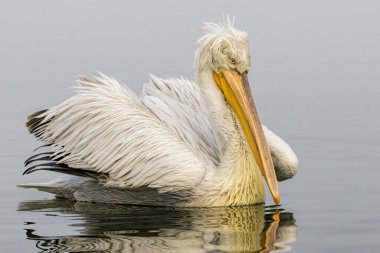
[(181, 143)]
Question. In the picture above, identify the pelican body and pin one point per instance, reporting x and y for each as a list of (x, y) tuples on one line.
[(181, 143)]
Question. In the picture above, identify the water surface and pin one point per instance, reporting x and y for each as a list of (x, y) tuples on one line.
[(97, 227)]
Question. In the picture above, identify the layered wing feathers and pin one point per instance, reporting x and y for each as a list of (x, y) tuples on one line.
[(106, 128), (179, 104)]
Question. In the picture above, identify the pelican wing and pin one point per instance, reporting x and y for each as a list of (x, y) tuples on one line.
[(180, 106), (157, 140)]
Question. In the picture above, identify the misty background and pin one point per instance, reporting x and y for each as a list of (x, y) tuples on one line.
[(315, 79)]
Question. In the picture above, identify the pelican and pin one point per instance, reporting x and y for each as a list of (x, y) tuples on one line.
[(181, 143)]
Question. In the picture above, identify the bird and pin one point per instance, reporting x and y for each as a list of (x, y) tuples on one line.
[(181, 143)]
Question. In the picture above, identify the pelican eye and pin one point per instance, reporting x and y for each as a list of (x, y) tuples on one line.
[(232, 61)]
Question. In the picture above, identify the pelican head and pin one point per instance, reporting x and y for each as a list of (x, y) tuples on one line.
[(223, 47), (224, 54)]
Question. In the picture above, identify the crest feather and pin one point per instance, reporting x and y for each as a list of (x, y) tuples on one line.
[(227, 27)]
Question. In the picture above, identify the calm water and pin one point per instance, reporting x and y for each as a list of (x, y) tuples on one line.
[(316, 83)]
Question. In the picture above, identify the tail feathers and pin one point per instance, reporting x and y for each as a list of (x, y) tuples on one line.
[(63, 186), (44, 187)]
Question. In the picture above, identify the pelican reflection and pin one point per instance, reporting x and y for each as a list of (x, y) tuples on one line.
[(120, 228)]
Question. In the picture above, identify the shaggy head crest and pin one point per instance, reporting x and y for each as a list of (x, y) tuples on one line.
[(226, 28), (221, 44)]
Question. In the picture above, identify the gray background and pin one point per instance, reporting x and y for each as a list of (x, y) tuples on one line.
[(315, 81)]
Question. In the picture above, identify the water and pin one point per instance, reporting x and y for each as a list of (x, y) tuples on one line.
[(315, 81), (148, 229)]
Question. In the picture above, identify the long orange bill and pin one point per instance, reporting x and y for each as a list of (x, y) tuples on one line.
[(235, 88)]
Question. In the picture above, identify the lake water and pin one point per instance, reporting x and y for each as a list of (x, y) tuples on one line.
[(315, 81)]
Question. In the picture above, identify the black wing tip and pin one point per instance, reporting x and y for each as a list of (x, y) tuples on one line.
[(66, 170), (38, 157), (44, 161)]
